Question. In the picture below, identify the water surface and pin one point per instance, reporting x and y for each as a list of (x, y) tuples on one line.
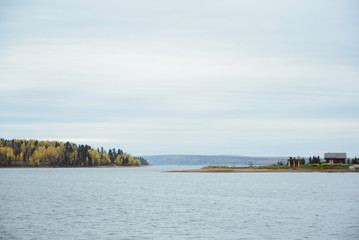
[(148, 203)]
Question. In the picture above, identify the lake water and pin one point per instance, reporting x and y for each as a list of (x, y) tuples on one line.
[(148, 203)]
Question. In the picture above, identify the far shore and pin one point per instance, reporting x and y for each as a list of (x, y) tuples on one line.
[(115, 166), (253, 170)]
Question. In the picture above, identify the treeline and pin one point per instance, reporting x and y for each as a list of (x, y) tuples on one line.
[(317, 160), (18, 152), (314, 159)]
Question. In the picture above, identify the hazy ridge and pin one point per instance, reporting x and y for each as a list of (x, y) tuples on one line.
[(211, 160)]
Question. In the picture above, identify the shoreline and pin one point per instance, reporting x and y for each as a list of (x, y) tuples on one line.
[(73, 166), (252, 170)]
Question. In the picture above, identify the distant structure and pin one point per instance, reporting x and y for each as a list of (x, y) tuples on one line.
[(335, 157), (292, 162)]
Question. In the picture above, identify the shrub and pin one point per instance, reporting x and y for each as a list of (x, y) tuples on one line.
[(337, 165), (315, 165), (272, 167), (325, 165), (216, 167)]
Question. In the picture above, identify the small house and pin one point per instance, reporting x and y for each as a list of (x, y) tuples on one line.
[(335, 158), (292, 162)]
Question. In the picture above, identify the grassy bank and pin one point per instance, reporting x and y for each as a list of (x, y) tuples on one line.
[(283, 167), (275, 168)]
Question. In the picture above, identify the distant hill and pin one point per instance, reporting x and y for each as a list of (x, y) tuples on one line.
[(211, 160)]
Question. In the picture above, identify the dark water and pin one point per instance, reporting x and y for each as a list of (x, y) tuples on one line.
[(147, 203)]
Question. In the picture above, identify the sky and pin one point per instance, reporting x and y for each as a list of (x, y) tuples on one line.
[(258, 78)]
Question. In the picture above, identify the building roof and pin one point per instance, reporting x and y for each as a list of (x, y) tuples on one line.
[(335, 155)]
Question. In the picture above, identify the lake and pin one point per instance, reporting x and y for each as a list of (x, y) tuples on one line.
[(149, 203)]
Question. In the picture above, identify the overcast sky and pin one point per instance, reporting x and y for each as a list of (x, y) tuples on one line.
[(271, 78)]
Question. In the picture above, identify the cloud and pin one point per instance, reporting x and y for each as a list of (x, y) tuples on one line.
[(194, 133), (189, 75)]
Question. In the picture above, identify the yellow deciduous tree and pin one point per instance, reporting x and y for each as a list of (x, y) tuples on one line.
[(95, 157), (105, 159), (119, 160)]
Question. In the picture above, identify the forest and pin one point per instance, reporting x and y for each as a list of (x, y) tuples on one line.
[(35, 153)]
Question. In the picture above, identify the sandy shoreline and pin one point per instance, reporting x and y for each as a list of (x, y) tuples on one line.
[(252, 170)]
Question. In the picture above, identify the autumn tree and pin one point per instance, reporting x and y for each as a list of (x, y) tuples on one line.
[(19, 152)]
